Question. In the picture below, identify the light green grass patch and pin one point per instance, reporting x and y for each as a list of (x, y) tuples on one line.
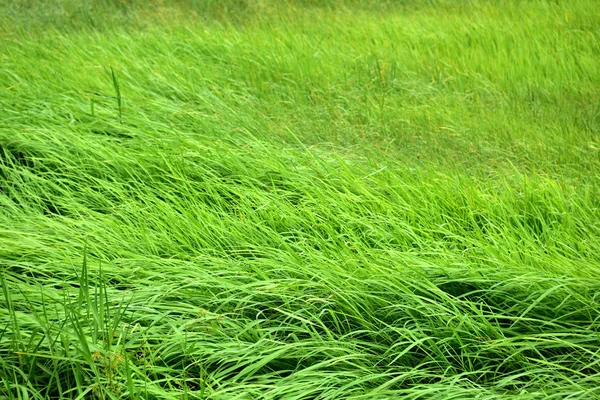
[(299, 200)]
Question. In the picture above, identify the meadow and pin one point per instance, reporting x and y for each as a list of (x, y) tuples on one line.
[(300, 199)]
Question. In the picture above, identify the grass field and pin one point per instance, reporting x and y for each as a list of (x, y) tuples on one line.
[(296, 199)]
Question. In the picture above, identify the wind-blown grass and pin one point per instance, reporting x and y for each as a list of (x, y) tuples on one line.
[(300, 200)]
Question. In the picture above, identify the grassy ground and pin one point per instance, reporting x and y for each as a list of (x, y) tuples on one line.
[(300, 200)]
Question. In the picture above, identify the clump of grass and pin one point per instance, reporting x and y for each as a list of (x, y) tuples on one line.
[(299, 201)]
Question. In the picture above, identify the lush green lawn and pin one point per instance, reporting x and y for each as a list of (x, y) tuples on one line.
[(300, 199)]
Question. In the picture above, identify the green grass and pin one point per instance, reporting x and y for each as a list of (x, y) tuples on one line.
[(300, 199)]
